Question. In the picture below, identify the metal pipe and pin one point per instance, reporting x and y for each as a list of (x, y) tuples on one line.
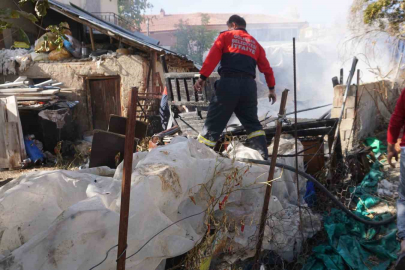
[(296, 137), (270, 177), (304, 110)]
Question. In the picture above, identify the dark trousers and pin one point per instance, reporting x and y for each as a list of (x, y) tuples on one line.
[(239, 96)]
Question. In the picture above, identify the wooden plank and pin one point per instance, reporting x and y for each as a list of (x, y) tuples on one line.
[(153, 63), (107, 149), (40, 93), (22, 90), (13, 115), (118, 124), (44, 98), (89, 108), (126, 179), (161, 85), (11, 139), (93, 48), (188, 75), (3, 151)]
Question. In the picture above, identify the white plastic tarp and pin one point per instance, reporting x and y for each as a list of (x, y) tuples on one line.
[(68, 220)]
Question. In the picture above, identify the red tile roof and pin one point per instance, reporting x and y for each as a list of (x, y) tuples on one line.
[(169, 21)]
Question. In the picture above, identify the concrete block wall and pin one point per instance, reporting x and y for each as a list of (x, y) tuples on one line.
[(375, 101), (348, 114)]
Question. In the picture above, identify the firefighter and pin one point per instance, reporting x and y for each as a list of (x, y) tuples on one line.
[(236, 91)]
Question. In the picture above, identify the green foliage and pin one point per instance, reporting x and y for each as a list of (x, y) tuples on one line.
[(388, 15), (194, 40), (7, 14), (133, 11), (58, 31)]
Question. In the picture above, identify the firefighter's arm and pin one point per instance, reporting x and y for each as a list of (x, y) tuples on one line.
[(213, 58), (264, 67)]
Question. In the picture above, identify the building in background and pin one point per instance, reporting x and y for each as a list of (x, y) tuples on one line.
[(106, 10), (95, 6), (263, 27)]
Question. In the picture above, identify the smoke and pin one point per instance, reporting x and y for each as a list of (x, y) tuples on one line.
[(321, 52)]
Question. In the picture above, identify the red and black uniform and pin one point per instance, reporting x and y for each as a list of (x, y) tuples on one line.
[(236, 91), (238, 52)]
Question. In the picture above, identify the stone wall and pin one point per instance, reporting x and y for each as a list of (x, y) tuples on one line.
[(132, 71), (375, 104)]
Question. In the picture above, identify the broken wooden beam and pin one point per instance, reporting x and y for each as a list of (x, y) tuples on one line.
[(266, 202), (126, 179), (93, 48)]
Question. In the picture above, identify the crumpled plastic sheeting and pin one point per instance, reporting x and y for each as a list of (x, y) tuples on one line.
[(354, 244), (282, 233), (8, 59), (68, 220), (56, 116)]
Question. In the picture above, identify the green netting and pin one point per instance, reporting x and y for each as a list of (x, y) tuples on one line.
[(377, 145), (352, 244)]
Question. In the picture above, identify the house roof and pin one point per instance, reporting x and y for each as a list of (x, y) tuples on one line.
[(131, 38), (168, 22)]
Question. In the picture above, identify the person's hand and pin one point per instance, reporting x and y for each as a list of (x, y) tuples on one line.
[(392, 153), (272, 96), (199, 84)]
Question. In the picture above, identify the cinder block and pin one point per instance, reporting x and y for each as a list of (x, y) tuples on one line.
[(349, 113), (335, 112), (346, 124), (345, 135), (337, 101), (350, 102), (339, 90)]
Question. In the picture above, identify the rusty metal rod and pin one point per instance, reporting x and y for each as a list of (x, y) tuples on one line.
[(266, 202), (126, 179), (296, 138)]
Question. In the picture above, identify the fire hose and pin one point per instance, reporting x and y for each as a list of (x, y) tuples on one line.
[(324, 190)]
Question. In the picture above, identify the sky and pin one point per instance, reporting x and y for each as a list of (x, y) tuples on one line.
[(312, 11)]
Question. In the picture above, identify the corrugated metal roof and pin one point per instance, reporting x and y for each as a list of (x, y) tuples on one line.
[(117, 30)]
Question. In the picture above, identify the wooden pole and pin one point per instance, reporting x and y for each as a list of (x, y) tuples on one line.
[(93, 47), (126, 179), (271, 176), (153, 63)]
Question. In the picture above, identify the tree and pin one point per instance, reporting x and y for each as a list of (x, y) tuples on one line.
[(7, 15), (134, 10), (383, 15), (194, 40)]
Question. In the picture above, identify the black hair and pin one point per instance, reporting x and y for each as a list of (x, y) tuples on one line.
[(238, 20)]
